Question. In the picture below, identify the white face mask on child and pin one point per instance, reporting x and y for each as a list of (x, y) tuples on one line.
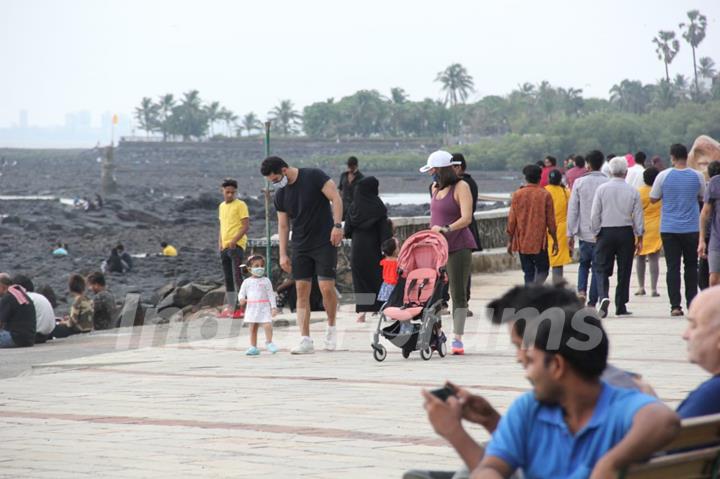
[(257, 272)]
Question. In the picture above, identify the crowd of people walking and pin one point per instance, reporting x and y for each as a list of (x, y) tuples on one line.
[(621, 213)]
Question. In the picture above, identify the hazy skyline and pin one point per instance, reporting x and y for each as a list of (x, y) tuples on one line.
[(104, 56)]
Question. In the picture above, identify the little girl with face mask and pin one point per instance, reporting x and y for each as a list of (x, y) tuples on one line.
[(258, 297)]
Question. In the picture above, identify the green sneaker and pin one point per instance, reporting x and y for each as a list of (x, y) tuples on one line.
[(252, 351)]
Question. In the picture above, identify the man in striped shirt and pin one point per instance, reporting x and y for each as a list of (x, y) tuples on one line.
[(680, 188)]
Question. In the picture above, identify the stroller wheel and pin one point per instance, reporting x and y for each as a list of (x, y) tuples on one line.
[(426, 353), (442, 350), (405, 353), (380, 353)]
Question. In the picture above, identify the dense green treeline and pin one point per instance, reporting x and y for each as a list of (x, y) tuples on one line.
[(498, 131)]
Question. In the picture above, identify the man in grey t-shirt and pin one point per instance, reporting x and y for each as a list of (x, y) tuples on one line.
[(711, 214)]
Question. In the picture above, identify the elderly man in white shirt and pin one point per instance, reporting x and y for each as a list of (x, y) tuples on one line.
[(617, 222)]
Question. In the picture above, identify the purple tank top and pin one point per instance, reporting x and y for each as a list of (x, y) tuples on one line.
[(446, 211)]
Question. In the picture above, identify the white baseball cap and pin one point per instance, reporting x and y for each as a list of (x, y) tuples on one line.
[(438, 159)]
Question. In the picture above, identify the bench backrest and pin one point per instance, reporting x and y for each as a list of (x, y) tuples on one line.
[(699, 456), (696, 432), (699, 464)]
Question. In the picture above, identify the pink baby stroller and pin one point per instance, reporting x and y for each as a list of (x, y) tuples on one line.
[(414, 305)]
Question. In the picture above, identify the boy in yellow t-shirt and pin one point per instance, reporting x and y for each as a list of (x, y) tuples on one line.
[(232, 240)]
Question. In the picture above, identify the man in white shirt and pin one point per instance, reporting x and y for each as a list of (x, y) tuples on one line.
[(605, 170), (44, 314), (634, 176)]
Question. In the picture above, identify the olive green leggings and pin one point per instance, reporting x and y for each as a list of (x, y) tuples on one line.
[(459, 266)]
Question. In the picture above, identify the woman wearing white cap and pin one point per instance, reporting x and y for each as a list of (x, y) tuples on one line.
[(451, 214)]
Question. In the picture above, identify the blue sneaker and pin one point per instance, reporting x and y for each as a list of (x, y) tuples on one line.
[(457, 347), (272, 348), (252, 351)]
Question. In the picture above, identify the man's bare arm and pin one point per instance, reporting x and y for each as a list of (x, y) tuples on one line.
[(492, 467), (331, 193), (243, 230)]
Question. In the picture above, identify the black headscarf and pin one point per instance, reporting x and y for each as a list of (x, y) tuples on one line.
[(367, 207)]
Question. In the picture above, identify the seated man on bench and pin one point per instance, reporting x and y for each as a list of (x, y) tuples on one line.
[(703, 343), (573, 424)]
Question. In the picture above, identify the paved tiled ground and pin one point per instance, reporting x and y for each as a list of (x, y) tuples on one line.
[(203, 409)]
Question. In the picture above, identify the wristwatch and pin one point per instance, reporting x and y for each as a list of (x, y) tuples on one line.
[(446, 229), (338, 226)]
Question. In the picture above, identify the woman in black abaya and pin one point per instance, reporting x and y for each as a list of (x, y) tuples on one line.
[(367, 226)]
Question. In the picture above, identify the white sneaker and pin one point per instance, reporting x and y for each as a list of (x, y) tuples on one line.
[(305, 347), (331, 338), (603, 309)]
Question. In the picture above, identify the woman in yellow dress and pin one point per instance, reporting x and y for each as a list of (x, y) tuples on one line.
[(560, 196), (652, 243)]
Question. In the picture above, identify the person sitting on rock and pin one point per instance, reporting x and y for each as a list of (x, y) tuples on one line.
[(124, 257), (103, 302), (114, 264), (80, 319), (168, 249), (44, 314), (60, 249), (17, 315)]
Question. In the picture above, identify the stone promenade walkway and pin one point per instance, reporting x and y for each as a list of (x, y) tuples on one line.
[(203, 409)]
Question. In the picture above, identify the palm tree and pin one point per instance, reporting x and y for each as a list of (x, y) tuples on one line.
[(285, 118), (526, 90), (189, 119), (166, 103), (191, 99), (681, 85), (664, 95), (572, 100), (630, 96), (456, 82), (707, 68), (250, 123), (694, 34), (213, 115), (546, 98), (398, 95), (667, 48), (147, 115), (229, 118)]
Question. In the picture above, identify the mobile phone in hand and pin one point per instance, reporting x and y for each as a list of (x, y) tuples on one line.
[(443, 393)]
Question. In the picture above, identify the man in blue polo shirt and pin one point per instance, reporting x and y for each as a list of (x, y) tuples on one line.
[(681, 189), (703, 345), (573, 424)]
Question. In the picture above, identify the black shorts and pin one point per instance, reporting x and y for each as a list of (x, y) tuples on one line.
[(320, 262)]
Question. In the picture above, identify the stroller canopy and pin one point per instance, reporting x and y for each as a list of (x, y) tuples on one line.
[(424, 249)]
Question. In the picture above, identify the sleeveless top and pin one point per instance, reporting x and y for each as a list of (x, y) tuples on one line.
[(446, 211)]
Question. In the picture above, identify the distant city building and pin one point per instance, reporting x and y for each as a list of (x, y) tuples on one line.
[(23, 116), (78, 120)]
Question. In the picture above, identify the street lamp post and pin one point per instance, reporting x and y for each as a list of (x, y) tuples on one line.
[(268, 249)]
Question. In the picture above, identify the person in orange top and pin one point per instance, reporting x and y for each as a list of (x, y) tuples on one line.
[(389, 265), (530, 221)]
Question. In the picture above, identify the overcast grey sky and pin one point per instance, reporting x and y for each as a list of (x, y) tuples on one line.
[(102, 55)]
